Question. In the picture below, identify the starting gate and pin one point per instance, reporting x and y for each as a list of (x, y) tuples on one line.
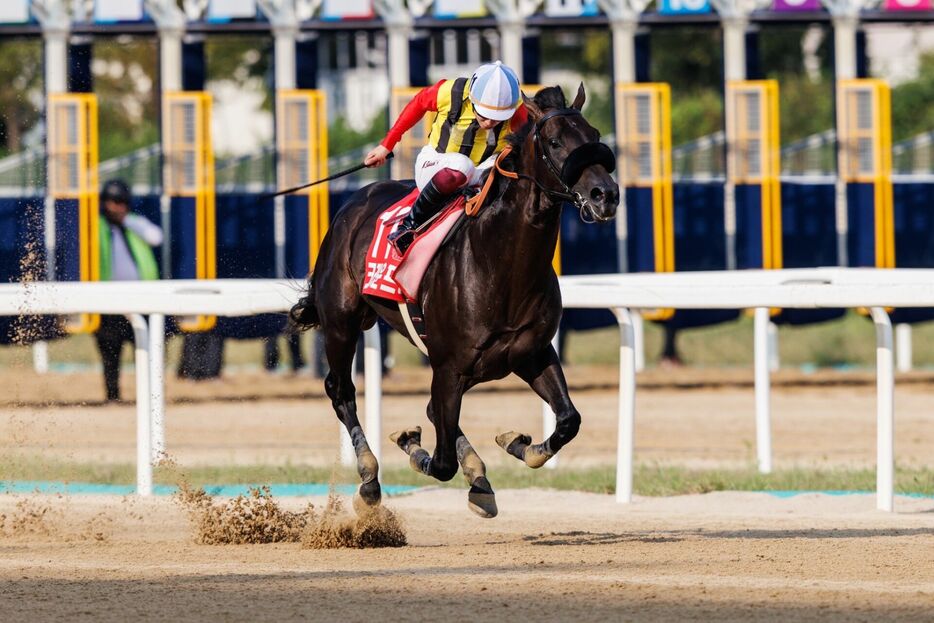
[(73, 186)]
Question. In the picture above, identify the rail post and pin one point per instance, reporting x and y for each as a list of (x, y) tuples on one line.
[(627, 406), (143, 416), (903, 347), (885, 416), (373, 390), (157, 384), (549, 419), (763, 391)]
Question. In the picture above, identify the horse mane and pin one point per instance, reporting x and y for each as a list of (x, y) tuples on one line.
[(546, 99)]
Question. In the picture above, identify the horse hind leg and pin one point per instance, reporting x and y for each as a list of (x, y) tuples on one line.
[(545, 376), (410, 441), (340, 347), (480, 499)]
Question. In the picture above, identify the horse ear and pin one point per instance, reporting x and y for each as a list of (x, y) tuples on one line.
[(534, 111), (580, 99)]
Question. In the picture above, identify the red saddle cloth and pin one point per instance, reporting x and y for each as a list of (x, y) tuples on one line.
[(398, 278)]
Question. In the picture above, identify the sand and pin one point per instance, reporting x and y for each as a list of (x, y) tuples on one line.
[(549, 556)]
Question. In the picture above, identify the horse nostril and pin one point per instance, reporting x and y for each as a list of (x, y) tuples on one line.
[(612, 195), (596, 194)]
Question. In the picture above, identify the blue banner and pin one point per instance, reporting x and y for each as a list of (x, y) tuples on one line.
[(684, 7)]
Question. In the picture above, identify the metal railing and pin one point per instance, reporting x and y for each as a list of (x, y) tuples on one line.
[(23, 174), (811, 156), (702, 159), (914, 156), (141, 169)]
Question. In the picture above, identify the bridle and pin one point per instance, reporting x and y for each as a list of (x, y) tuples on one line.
[(581, 157)]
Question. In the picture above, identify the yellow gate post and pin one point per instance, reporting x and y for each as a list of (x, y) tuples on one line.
[(865, 154), (302, 137), (755, 155), (73, 175), (189, 162), (643, 140)]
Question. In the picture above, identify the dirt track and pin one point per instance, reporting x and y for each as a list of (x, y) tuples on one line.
[(701, 427), (549, 556)]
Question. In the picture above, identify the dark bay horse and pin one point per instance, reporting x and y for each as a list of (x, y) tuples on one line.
[(490, 297)]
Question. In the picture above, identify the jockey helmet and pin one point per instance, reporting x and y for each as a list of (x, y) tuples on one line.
[(494, 91)]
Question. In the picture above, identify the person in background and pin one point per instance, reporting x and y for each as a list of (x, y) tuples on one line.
[(126, 241), (271, 352)]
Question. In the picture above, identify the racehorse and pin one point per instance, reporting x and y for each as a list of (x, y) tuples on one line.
[(490, 296)]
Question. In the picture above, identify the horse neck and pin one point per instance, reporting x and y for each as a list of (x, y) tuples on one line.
[(526, 225)]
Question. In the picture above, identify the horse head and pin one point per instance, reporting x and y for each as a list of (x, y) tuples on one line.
[(565, 157)]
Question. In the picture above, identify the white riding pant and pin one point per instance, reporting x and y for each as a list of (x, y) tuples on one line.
[(430, 162)]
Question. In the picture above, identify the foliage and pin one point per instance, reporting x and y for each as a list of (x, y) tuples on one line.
[(21, 77), (912, 112), (125, 71), (695, 115), (342, 138), (241, 59), (805, 106)]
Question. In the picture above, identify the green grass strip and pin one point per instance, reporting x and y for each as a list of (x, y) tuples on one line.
[(650, 480)]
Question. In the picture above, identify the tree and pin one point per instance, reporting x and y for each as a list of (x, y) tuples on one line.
[(21, 95), (125, 73), (912, 112)]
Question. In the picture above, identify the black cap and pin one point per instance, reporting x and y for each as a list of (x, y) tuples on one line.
[(117, 191)]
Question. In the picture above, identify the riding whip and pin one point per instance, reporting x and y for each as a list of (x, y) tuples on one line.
[(287, 191)]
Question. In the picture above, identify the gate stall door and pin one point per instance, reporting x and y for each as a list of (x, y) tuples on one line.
[(74, 187), (189, 181), (865, 167), (643, 144), (302, 137), (753, 166)]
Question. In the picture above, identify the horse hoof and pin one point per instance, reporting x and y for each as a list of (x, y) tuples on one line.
[(481, 499), (535, 459), (513, 443), (367, 498), (403, 438), (367, 467)]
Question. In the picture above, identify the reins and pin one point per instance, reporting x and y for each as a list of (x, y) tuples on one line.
[(475, 203)]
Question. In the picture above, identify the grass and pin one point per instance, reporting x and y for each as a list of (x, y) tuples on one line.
[(650, 480), (848, 341)]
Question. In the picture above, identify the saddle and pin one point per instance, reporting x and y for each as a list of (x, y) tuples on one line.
[(398, 279)]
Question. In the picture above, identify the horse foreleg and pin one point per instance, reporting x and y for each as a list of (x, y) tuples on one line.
[(544, 374), (444, 413)]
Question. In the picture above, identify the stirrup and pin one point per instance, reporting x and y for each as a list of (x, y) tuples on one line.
[(401, 240)]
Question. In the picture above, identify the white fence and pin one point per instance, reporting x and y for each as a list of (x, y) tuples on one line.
[(795, 288)]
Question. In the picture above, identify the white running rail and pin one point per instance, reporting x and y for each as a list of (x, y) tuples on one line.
[(789, 288)]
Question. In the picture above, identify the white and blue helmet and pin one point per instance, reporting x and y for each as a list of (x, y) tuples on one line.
[(494, 91)]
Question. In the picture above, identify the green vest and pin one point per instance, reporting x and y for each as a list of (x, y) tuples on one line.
[(142, 254)]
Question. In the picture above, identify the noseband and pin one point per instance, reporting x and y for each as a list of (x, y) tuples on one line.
[(581, 157)]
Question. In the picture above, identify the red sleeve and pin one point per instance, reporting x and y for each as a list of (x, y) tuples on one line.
[(519, 118), (425, 100)]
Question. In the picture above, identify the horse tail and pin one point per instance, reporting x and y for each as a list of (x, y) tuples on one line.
[(304, 314)]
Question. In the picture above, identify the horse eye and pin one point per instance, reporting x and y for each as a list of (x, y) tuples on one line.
[(553, 143)]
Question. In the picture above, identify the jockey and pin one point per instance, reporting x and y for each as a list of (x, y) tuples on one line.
[(473, 119)]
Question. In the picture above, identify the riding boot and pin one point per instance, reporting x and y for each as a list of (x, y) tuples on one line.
[(428, 203)]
